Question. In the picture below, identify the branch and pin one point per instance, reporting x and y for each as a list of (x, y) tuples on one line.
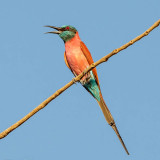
[(74, 80)]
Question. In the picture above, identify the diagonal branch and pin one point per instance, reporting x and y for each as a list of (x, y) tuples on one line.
[(76, 79)]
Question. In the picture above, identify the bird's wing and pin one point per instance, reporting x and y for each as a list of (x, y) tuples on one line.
[(89, 59), (66, 62)]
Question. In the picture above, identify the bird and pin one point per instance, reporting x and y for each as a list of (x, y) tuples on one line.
[(77, 58)]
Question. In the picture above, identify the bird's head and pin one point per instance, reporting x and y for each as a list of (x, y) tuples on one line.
[(66, 32)]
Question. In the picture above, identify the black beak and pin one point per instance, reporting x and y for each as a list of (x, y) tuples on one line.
[(59, 30)]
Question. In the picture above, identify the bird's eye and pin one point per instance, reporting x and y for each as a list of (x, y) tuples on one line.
[(67, 28)]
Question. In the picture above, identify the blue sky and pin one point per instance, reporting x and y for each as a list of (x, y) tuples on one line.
[(72, 126)]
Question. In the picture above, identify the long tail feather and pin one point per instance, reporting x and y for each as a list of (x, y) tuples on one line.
[(120, 138), (110, 121)]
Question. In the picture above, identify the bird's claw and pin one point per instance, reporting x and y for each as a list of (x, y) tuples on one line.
[(73, 80)]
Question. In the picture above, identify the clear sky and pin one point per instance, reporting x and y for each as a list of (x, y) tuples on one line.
[(72, 127)]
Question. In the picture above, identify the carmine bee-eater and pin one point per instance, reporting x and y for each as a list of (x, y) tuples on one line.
[(77, 58)]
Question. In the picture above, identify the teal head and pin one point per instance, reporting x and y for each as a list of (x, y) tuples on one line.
[(66, 32)]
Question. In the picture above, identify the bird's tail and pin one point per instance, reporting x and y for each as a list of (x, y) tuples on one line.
[(110, 120)]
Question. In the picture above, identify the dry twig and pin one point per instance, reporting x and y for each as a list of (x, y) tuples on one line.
[(76, 79)]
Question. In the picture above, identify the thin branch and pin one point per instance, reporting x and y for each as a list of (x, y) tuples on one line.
[(76, 79)]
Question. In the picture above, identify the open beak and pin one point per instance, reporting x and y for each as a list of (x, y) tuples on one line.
[(59, 30)]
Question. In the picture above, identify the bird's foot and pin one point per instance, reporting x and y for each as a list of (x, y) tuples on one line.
[(73, 80)]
